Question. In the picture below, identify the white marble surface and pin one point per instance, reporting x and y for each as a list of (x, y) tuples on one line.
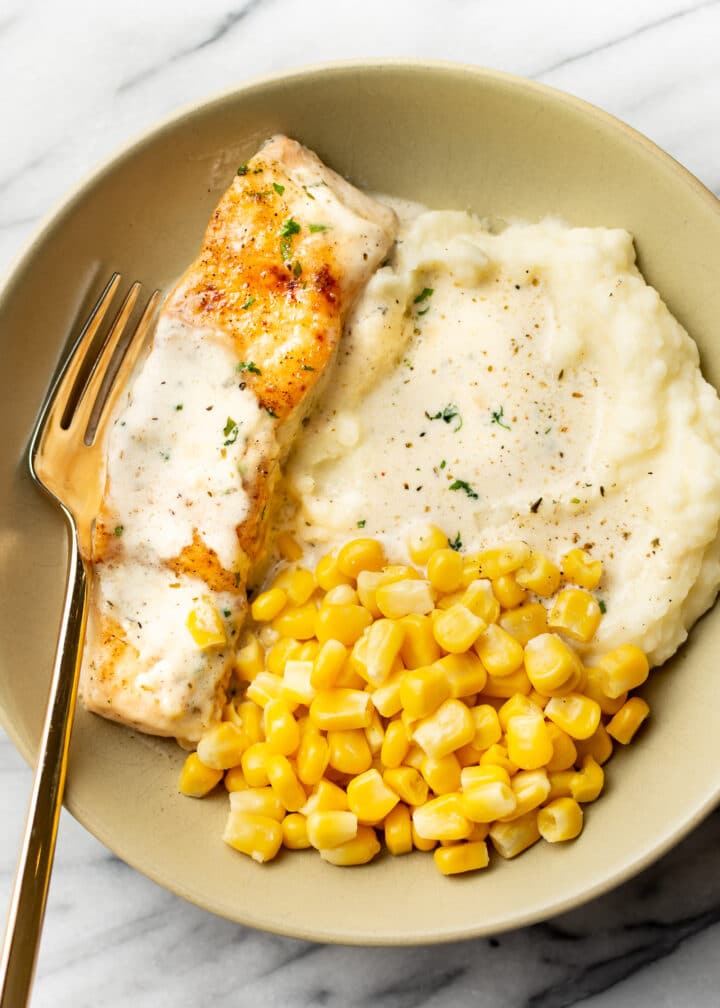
[(77, 79)]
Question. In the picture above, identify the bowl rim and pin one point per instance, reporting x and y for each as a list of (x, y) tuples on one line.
[(65, 205)]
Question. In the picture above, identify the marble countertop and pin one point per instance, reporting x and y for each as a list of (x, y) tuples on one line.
[(77, 80)]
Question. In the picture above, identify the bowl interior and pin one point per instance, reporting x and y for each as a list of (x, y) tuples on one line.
[(451, 137)]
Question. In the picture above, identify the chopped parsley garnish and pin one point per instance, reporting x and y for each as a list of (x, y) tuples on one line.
[(602, 606), (443, 464), (226, 613), (463, 485), (250, 366), (306, 367), (250, 301), (243, 169), (362, 523), (424, 294), (271, 412), (119, 529), (297, 269), (179, 406), (448, 414), (279, 189), (230, 431), (289, 228), (497, 417), (315, 228), (456, 543)]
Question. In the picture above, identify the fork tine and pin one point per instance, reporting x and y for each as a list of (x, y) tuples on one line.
[(132, 352), (58, 398), (90, 393)]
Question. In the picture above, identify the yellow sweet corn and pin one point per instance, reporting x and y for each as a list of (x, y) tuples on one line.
[(234, 779), (408, 784), (421, 843), (529, 744), (445, 569), (497, 755), (255, 835), (506, 686), (498, 650), (449, 728), (395, 745), (588, 782), (539, 575), (592, 688), (624, 668), (479, 598), (281, 729), (327, 829), (360, 554), (561, 782), (423, 690), (328, 664), (294, 832), (268, 605), (576, 614), (419, 646), (565, 751), (442, 818), (297, 622), (424, 542), (561, 820), (627, 720), (341, 709), (297, 687), (384, 640), (456, 629), (508, 592), (487, 726), (398, 830), (283, 780), (367, 585), (531, 788), (345, 623), (527, 621), (343, 594), (358, 851), (249, 658), (511, 838), (485, 803), (206, 626), (579, 567), (551, 665), (222, 746), (258, 801), (288, 546), (253, 764), (575, 714), (442, 774), (518, 703), (504, 559), (465, 674), (599, 746), (327, 573), (349, 751), (386, 698), (266, 686), (375, 734), (312, 758), (370, 798), (281, 652), (326, 797), (251, 720), (404, 598), (462, 857), (197, 779), (474, 776)]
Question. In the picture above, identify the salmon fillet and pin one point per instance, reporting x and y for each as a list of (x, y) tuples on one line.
[(194, 452)]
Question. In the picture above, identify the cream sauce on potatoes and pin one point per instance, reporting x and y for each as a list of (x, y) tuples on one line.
[(524, 383)]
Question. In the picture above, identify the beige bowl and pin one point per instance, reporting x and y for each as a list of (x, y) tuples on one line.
[(449, 136)]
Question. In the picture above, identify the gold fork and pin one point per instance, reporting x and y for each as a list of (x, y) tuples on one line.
[(66, 461)]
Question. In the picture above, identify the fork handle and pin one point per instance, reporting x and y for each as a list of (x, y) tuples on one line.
[(32, 879)]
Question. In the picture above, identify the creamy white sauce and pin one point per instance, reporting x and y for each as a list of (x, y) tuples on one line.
[(576, 415)]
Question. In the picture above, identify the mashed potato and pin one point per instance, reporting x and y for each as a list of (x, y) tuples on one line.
[(524, 384)]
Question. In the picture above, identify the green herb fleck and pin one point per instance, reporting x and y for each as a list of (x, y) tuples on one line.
[(289, 228), (297, 269), (602, 606), (250, 366), (443, 464), (574, 500), (250, 301), (424, 294), (497, 417), (463, 485), (456, 543), (179, 406), (308, 193), (119, 529), (230, 431), (315, 228), (243, 169), (448, 414), (306, 367), (362, 523), (279, 189), (226, 613), (271, 412)]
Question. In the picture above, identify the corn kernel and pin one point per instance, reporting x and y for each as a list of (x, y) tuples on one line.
[(449, 728), (525, 622), (326, 797), (462, 857), (561, 782), (349, 751), (497, 755), (457, 628), (375, 735), (419, 646), (528, 741), (539, 574), (395, 745), (531, 788), (442, 818), (503, 687), (518, 703), (504, 559), (561, 820), (623, 669), (329, 829), (370, 798), (468, 755), (384, 641), (474, 776), (344, 623), (386, 698), (251, 721), (408, 784), (268, 605), (300, 586), (465, 674), (508, 592), (253, 764), (628, 719), (283, 780), (222, 746), (487, 726), (297, 687), (480, 599), (511, 838), (599, 746), (328, 664), (358, 851), (499, 652), (398, 830), (255, 835), (593, 688), (327, 573), (234, 779), (197, 779), (297, 622), (588, 782), (206, 626), (421, 843), (258, 801), (403, 598), (281, 729), (549, 662), (539, 699), (575, 714), (576, 614), (341, 709), (442, 774), (249, 658), (360, 554), (484, 803), (424, 542), (423, 690), (281, 652), (579, 567), (367, 585), (415, 757), (265, 687), (445, 569), (564, 753), (343, 594), (294, 832), (312, 758)]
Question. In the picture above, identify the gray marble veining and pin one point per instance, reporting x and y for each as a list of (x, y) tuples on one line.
[(77, 80)]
